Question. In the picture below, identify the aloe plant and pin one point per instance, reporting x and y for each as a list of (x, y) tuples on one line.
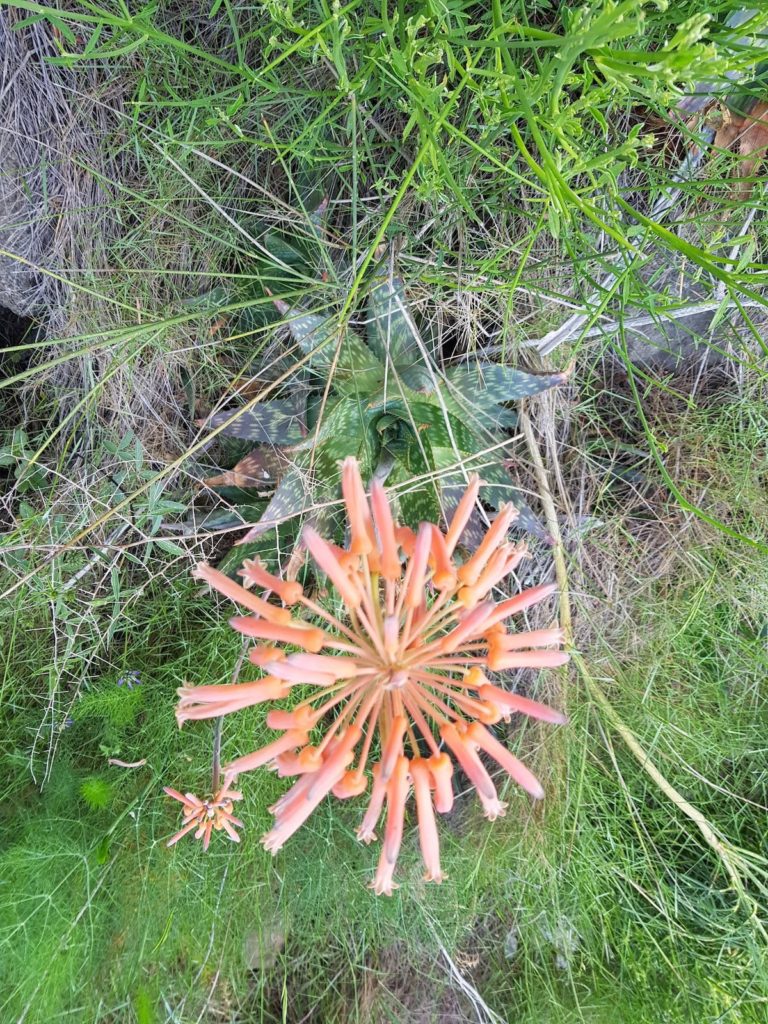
[(377, 393)]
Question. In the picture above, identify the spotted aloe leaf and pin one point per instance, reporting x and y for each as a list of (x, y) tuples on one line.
[(418, 377), (343, 430), (361, 445), (391, 329), (481, 415), (496, 383), (282, 251), (419, 502), (318, 336), (337, 419), (500, 487), (281, 422), (443, 429), (290, 499)]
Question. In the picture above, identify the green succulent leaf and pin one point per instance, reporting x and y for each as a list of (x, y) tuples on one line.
[(339, 418), (443, 429), (480, 414), (319, 337), (418, 378), (281, 422), (419, 501), (290, 499), (391, 328), (283, 251), (492, 382), (501, 488)]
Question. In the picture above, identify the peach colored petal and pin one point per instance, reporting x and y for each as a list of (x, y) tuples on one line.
[(525, 641), (339, 757), (303, 718), (463, 512), (382, 516), (474, 769), (360, 526), (441, 769), (406, 539), (268, 688), (417, 568), (512, 702), (337, 666), (182, 832), (309, 637), (480, 736), (472, 625), (494, 572), (444, 576), (397, 794), (292, 673), (289, 741), (290, 763), (489, 713), (201, 712), (229, 830), (393, 748), (366, 832), (260, 655), (329, 563), (255, 575), (352, 783), (240, 595), (428, 838), (311, 790), (470, 571), (522, 601), (498, 661)]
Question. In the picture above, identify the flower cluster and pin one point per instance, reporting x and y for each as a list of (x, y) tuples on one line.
[(131, 679), (398, 677), (209, 815)]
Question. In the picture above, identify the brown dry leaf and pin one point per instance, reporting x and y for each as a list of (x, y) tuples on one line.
[(750, 134), (261, 467)]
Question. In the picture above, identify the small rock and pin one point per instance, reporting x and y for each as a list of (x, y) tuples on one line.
[(511, 943), (263, 947)]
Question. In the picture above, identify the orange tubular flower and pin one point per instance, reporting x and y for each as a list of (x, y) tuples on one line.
[(399, 676)]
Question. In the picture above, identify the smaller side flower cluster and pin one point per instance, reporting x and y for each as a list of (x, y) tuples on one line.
[(211, 814)]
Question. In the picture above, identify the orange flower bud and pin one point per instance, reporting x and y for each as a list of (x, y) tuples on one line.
[(240, 595), (382, 516), (308, 637), (444, 577), (463, 512), (441, 770), (255, 575)]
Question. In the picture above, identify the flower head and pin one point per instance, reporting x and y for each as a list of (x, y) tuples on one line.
[(397, 678), (211, 814), (131, 678)]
